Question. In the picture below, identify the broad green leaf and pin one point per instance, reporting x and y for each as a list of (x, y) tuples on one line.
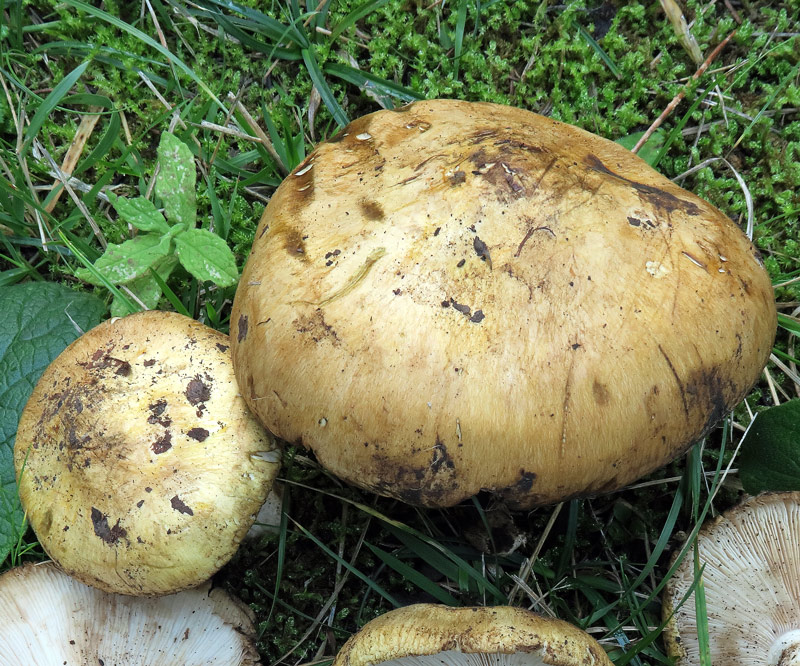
[(177, 181), (769, 458), (649, 151), (129, 260), (206, 256), (140, 212), (146, 288), (39, 320)]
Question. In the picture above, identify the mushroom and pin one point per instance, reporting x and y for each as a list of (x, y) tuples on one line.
[(751, 578), (434, 635), (47, 617), (139, 465), (454, 297)]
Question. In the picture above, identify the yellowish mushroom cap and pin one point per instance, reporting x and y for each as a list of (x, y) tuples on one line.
[(139, 465), (434, 635), (460, 296)]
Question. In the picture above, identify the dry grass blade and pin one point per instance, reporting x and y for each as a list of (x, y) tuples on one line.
[(260, 133), (64, 179), (527, 566), (85, 129), (681, 28)]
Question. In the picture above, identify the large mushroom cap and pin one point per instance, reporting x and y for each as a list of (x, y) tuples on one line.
[(47, 617), (751, 579), (433, 635), (458, 296), (139, 465)]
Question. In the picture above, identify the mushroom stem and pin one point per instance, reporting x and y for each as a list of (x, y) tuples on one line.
[(785, 651)]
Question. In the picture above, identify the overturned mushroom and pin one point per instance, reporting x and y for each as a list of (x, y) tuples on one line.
[(139, 465), (433, 635), (47, 617), (455, 296), (751, 580)]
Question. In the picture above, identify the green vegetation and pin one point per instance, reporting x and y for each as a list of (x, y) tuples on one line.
[(88, 94)]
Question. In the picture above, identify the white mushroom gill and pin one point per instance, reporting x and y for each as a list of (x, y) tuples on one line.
[(46, 617), (455, 658), (751, 559)]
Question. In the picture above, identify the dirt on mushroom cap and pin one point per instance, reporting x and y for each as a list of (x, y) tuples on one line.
[(466, 296), (139, 465)]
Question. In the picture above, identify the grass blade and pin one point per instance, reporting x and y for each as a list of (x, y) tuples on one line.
[(412, 575), (324, 90), (50, 102)]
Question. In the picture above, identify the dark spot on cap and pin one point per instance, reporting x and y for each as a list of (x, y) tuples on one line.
[(464, 309), (200, 434), (156, 410), (179, 506), (477, 317), (525, 482), (461, 263), (575, 345), (109, 535), (149, 362), (295, 244), (445, 304), (458, 178), (601, 394), (436, 232), (123, 368), (666, 201), (222, 348), (481, 250), (148, 489), (242, 328), (634, 221), (441, 458), (139, 504), (197, 391), (162, 444), (372, 210)]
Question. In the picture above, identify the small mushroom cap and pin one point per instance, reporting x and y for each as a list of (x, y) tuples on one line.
[(751, 581), (47, 617), (432, 635), (139, 465), (458, 296)]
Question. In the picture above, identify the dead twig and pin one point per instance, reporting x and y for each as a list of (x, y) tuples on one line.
[(677, 99)]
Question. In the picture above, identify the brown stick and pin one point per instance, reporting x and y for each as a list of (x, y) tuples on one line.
[(677, 99)]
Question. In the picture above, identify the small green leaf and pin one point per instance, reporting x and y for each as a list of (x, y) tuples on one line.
[(206, 256), (129, 260), (769, 458), (139, 212), (176, 182), (146, 288), (39, 320), (649, 151)]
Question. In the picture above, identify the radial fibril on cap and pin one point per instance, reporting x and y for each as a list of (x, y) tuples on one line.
[(456, 296), (435, 635), (751, 580), (139, 465), (47, 617)]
